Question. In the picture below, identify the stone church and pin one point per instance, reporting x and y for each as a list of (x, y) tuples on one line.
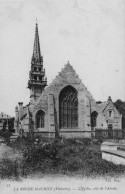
[(65, 107)]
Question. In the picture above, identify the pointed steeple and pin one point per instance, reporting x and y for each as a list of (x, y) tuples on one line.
[(37, 58), (37, 79)]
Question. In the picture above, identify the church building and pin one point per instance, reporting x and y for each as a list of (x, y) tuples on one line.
[(65, 107)]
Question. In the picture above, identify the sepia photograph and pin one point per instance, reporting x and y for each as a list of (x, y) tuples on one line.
[(62, 96)]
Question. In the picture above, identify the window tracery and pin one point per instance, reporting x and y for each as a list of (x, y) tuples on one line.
[(40, 119), (68, 108)]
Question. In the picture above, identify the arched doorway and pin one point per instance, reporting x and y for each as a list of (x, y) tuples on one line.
[(94, 119), (40, 119), (68, 108)]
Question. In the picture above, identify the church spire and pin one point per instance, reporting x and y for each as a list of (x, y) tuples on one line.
[(37, 58), (37, 79)]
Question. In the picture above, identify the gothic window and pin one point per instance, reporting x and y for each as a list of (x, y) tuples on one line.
[(94, 119), (68, 108), (40, 119)]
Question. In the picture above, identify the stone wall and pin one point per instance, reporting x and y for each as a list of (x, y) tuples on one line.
[(49, 103), (49, 100)]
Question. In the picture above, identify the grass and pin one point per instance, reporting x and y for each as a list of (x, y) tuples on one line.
[(53, 157)]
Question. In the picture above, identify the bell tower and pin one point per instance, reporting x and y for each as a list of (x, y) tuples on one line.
[(37, 80)]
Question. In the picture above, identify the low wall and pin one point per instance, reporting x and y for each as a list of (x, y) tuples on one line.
[(111, 152), (75, 134), (44, 134), (111, 145), (113, 157)]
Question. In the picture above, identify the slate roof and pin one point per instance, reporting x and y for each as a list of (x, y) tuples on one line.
[(102, 105), (23, 112)]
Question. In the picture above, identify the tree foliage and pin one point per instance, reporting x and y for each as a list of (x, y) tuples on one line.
[(120, 105)]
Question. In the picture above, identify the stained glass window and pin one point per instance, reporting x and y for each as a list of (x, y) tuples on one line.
[(40, 119), (68, 108)]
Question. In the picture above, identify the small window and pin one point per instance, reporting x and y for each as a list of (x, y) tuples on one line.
[(110, 113), (40, 119), (39, 69), (110, 127), (40, 78), (35, 69), (35, 78)]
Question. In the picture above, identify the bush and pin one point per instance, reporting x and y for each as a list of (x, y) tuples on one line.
[(56, 157), (6, 135), (86, 141), (39, 156)]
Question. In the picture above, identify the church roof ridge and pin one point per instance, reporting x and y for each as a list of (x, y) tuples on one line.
[(103, 105)]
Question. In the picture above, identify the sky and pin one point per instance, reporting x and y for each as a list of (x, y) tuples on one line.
[(90, 34)]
